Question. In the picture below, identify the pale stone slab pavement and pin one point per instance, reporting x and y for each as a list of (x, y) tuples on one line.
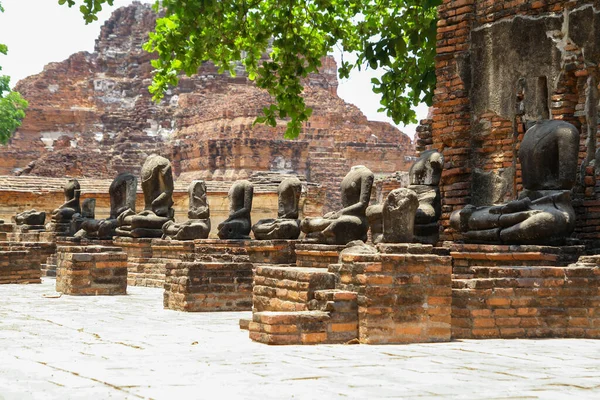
[(129, 347)]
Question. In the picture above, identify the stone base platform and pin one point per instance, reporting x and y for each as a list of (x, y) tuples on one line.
[(46, 244), (265, 253), (528, 302), (465, 256), (219, 279), (404, 293), (401, 294), (29, 228), (16, 266), (37, 252), (91, 269), (208, 286)]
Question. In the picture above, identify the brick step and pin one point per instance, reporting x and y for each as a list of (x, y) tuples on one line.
[(289, 328), (320, 149), (332, 318), (278, 288)]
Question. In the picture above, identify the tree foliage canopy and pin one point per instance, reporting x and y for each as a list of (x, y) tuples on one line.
[(396, 35), (12, 105)]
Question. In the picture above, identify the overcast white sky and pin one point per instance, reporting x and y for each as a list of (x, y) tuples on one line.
[(38, 32)]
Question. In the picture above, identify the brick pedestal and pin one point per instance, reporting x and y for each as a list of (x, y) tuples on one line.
[(91, 270), (219, 279), (299, 304), (17, 267), (528, 302), (269, 253), (173, 250), (41, 246), (221, 250), (404, 293), (142, 270)]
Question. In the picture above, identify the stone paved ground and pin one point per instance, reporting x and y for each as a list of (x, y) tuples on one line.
[(129, 347)]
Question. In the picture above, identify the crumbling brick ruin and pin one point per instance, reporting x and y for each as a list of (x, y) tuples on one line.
[(500, 66)]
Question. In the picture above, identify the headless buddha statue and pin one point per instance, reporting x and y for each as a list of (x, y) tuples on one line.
[(71, 206), (122, 193), (350, 223), (31, 218), (238, 224), (287, 225), (543, 213), (157, 184), (198, 224), (424, 179)]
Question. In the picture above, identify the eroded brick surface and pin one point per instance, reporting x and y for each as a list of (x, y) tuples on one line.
[(91, 270)]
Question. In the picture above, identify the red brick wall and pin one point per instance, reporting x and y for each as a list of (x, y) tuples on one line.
[(469, 124)]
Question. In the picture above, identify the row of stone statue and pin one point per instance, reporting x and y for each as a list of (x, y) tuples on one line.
[(543, 214), (393, 221)]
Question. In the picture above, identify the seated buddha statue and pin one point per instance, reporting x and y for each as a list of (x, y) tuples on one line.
[(238, 223), (543, 212), (157, 185), (349, 223), (198, 224), (287, 225)]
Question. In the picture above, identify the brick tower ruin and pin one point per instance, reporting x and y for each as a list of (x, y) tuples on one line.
[(501, 66)]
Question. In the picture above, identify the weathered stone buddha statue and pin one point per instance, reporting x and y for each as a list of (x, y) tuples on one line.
[(122, 193), (198, 224), (287, 225), (389, 220), (30, 220), (350, 223), (238, 224), (424, 179), (157, 184), (71, 206), (543, 213), (88, 213)]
